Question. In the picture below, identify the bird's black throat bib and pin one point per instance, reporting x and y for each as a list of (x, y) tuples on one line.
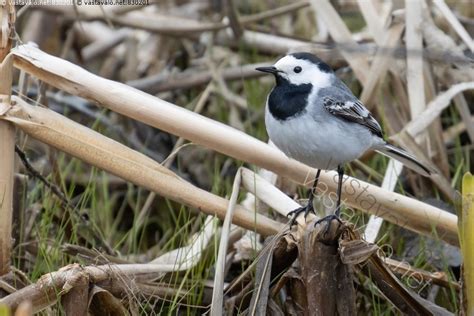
[(288, 100)]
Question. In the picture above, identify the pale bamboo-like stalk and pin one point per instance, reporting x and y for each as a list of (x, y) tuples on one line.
[(218, 288), (7, 157), (435, 107), (269, 43), (381, 63), (186, 257), (414, 44), (271, 195), (394, 169), (457, 26), (438, 40), (341, 34), (169, 161), (378, 70), (7, 150), (99, 47), (107, 154), (375, 23), (396, 208)]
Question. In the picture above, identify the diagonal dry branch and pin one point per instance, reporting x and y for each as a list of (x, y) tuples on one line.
[(157, 83), (457, 26), (341, 34), (381, 63), (417, 125), (107, 154), (128, 101)]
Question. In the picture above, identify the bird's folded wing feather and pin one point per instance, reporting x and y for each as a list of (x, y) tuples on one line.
[(352, 111)]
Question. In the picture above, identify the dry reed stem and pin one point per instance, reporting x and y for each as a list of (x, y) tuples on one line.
[(103, 302), (434, 108), (441, 182), (341, 34), (218, 288), (278, 45), (396, 208), (328, 281), (394, 169), (436, 129), (7, 145), (354, 251), (69, 281), (7, 164), (405, 300), (271, 195), (375, 23), (157, 83), (414, 46), (162, 23), (290, 7), (465, 113), (454, 131), (168, 162), (457, 26), (104, 153), (259, 301), (405, 269), (381, 63), (52, 286), (378, 70), (185, 258), (438, 40), (99, 47), (76, 298)]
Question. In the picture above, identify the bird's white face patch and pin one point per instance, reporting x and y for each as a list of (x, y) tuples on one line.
[(310, 73)]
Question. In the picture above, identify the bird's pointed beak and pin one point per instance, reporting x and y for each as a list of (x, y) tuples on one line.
[(271, 69)]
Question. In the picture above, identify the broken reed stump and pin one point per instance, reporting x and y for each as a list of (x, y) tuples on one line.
[(318, 283), (328, 281)]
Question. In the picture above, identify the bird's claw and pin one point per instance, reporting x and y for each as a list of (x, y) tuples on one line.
[(328, 219), (306, 209)]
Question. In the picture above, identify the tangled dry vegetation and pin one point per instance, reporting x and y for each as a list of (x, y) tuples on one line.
[(136, 179)]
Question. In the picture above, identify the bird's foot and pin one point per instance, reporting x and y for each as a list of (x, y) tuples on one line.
[(306, 209), (328, 219)]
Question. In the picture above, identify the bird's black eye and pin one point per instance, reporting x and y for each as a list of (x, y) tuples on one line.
[(297, 69)]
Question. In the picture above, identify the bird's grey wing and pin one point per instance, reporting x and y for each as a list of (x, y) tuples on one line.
[(352, 110)]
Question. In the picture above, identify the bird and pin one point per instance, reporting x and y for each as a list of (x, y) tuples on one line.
[(313, 117)]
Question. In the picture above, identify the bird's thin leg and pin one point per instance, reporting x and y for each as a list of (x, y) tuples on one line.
[(340, 172), (312, 192), (309, 206), (329, 218)]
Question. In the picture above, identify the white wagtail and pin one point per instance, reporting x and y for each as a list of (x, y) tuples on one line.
[(313, 117)]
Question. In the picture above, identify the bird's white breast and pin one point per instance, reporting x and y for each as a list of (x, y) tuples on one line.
[(321, 142)]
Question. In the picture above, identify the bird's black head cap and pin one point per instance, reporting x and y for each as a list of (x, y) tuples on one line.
[(313, 59)]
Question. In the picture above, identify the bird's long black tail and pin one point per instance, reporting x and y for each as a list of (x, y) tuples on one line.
[(407, 159)]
